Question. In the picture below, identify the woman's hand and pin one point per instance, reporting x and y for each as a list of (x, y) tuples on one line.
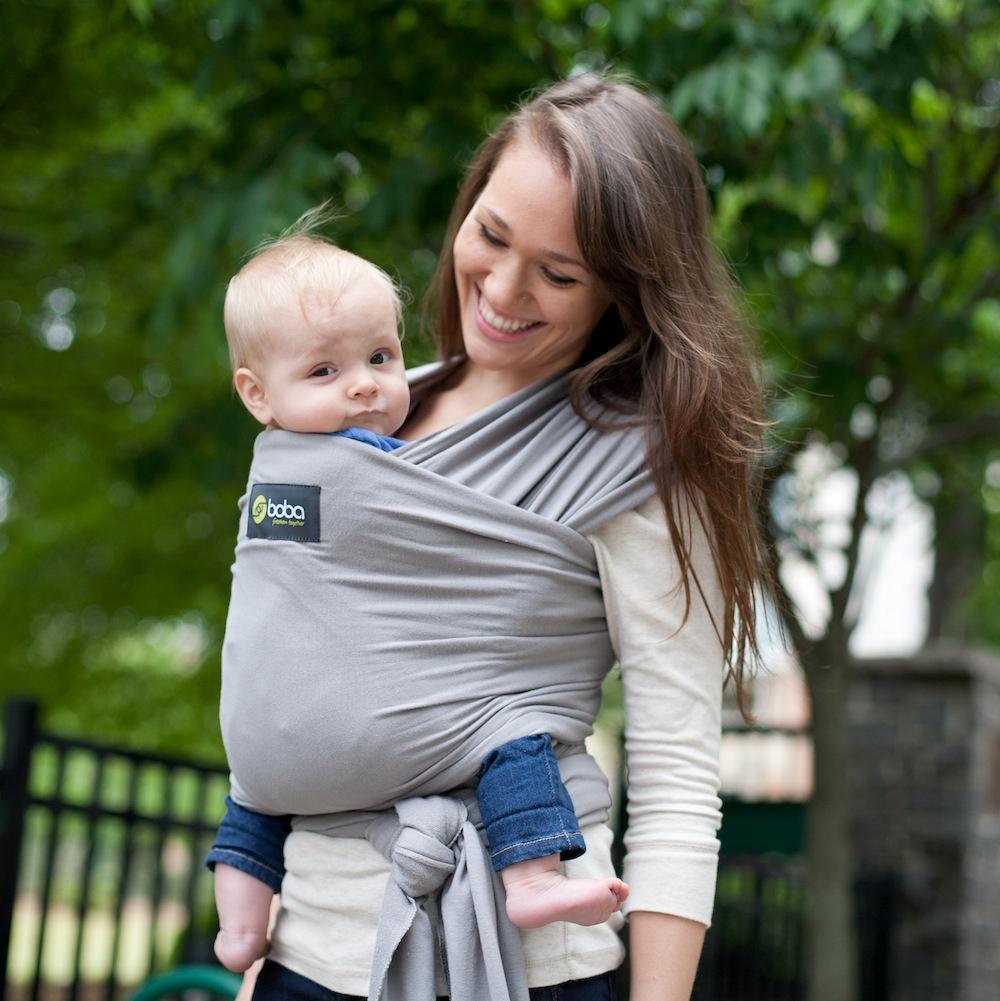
[(249, 980), (663, 955)]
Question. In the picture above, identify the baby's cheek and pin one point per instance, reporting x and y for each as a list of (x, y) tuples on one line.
[(401, 403)]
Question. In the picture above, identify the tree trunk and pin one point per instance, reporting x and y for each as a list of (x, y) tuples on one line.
[(959, 544), (831, 946)]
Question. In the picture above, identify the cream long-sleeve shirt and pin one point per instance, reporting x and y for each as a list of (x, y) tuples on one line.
[(332, 893)]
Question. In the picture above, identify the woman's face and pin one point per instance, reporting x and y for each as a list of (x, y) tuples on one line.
[(528, 301)]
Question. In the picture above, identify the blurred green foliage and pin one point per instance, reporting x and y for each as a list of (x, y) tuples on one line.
[(850, 146)]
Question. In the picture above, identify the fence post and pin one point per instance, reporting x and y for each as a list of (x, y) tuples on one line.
[(20, 720)]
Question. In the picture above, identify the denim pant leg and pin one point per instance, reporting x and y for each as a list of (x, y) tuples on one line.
[(599, 988), (252, 842), (526, 810), (275, 983)]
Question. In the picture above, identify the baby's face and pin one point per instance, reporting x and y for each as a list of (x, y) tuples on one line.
[(338, 368)]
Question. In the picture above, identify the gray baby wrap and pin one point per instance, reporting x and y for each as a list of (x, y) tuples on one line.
[(393, 618)]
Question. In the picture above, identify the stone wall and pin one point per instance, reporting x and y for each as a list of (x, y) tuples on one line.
[(981, 929), (925, 736)]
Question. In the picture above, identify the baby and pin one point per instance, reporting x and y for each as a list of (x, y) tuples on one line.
[(313, 342)]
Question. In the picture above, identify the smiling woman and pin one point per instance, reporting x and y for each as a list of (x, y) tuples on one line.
[(528, 302), (589, 340)]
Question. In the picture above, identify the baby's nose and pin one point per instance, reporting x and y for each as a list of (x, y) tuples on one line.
[(364, 386)]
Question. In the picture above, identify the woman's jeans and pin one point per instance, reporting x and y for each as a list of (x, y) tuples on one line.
[(275, 983)]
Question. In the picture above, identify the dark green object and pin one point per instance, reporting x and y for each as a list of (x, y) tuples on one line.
[(217, 982), (759, 828)]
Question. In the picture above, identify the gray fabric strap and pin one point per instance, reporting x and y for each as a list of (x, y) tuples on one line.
[(436, 851), (434, 847), (532, 451)]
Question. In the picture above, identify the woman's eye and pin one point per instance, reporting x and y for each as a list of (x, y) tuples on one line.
[(379, 358), (561, 280), (319, 373), (490, 237)]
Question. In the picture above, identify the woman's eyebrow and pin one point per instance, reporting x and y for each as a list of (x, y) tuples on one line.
[(502, 223)]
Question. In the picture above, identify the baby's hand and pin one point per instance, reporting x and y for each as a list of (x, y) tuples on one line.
[(244, 905)]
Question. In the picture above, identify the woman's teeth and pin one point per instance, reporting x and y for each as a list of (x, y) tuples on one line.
[(494, 321)]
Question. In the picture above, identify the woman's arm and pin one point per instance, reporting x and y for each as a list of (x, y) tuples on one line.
[(249, 979), (673, 708), (663, 955)]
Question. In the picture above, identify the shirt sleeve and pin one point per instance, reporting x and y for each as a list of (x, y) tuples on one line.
[(672, 679)]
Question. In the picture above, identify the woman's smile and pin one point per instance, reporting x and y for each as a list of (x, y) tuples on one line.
[(497, 327)]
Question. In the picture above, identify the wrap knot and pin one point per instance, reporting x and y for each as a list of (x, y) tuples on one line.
[(420, 863), (419, 838), (434, 846)]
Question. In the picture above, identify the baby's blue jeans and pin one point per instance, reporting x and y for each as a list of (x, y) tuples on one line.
[(527, 814)]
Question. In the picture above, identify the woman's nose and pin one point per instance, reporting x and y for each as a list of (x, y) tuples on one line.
[(505, 286)]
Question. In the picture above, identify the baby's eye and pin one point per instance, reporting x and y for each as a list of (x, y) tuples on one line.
[(379, 358), (490, 237), (323, 370), (563, 281)]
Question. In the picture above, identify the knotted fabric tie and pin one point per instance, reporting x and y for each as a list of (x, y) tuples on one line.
[(434, 847)]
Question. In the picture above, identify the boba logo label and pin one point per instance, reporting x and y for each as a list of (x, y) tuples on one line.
[(288, 511)]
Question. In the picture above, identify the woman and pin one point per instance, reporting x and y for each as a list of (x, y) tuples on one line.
[(579, 241)]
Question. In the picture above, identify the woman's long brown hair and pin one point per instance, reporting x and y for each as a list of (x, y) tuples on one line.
[(674, 348)]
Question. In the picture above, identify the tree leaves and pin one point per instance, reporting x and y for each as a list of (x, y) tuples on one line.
[(736, 88), (819, 73)]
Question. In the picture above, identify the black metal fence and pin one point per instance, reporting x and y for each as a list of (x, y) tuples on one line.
[(754, 948), (101, 881)]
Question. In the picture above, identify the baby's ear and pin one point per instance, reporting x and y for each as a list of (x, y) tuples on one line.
[(253, 394)]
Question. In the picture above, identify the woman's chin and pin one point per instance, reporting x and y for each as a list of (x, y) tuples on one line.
[(513, 371), (494, 356)]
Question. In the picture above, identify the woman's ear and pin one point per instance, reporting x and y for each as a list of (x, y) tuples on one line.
[(253, 394)]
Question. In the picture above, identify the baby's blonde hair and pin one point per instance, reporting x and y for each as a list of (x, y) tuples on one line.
[(299, 266)]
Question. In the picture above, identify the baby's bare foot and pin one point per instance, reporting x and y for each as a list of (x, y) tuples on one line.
[(538, 894), (238, 950)]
